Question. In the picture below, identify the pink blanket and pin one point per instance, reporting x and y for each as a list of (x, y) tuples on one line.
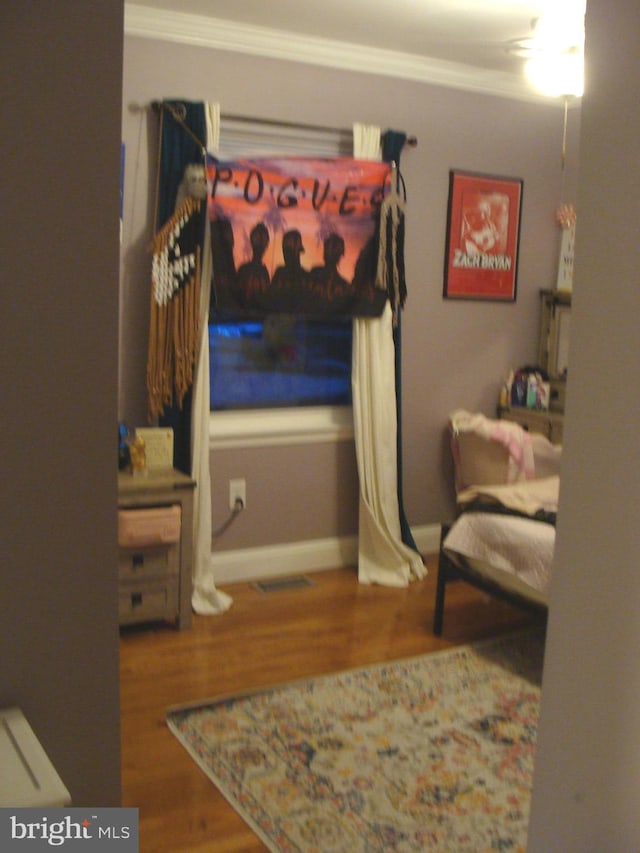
[(512, 436)]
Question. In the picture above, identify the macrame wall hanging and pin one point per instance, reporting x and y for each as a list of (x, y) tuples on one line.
[(391, 271), (175, 305), (175, 294)]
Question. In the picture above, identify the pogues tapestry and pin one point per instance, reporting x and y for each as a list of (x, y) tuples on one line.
[(296, 235)]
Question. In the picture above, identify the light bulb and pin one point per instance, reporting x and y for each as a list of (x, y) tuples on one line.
[(557, 74), (556, 50)]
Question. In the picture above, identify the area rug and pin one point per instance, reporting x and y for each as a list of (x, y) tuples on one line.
[(431, 753)]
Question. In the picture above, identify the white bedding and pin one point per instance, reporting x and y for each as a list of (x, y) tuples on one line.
[(515, 552), (529, 496)]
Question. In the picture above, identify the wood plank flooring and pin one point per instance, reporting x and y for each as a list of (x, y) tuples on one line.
[(264, 639)]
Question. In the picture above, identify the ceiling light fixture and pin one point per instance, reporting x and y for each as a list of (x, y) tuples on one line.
[(554, 54)]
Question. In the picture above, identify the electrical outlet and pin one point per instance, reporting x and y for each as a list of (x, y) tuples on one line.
[(237, 491)]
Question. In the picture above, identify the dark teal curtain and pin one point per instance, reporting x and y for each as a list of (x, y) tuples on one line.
[(392, 144), (182, 141)]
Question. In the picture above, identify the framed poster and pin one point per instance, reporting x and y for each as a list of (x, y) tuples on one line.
[(483, 233)]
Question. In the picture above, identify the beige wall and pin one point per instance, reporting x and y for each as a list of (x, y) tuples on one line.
[(61, 67), (587, 773), (454, 354)]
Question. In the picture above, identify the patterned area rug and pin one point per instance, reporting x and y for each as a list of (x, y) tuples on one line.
[(431, 753)]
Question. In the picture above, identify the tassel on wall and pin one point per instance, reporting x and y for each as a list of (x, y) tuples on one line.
[(175, 305), (390, 270), (176, 248)]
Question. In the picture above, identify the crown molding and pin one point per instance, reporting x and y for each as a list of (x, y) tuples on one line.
[(219, 34)]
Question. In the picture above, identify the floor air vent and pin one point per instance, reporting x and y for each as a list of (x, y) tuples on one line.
[(278, 584)]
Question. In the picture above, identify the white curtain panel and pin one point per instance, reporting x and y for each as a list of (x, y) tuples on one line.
[(383, 558), (205, 599)]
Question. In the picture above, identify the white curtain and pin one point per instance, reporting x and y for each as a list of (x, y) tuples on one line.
[(382, 556), (206, 599)]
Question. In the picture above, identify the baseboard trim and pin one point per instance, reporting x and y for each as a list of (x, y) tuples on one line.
[(271, 561)]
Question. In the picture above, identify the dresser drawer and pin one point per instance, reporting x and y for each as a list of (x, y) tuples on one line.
[(547, 423), (144, 563), (148, 601), (150, 526)]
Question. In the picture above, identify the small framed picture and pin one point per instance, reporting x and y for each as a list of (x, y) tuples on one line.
[(483, 235)]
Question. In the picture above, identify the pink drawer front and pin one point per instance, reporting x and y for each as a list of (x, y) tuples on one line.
[(149, 526)]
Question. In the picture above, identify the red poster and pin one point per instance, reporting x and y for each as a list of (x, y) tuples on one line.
[(483, 231)]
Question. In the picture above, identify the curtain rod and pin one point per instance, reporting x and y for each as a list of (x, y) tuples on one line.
[(411, 141)]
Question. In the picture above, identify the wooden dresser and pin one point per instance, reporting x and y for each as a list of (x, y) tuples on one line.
[(550, 424), (154, 575)]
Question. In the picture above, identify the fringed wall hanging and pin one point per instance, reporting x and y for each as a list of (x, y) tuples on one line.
[(175, 269), (175, 306), (390, 274)]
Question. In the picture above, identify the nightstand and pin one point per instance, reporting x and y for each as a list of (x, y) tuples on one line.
[(154, 569), (549, 424), (553, 357)]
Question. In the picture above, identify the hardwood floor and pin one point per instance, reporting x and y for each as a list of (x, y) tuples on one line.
[(264, 639)]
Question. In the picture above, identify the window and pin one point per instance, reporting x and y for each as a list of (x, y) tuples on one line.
[(280, 362)]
